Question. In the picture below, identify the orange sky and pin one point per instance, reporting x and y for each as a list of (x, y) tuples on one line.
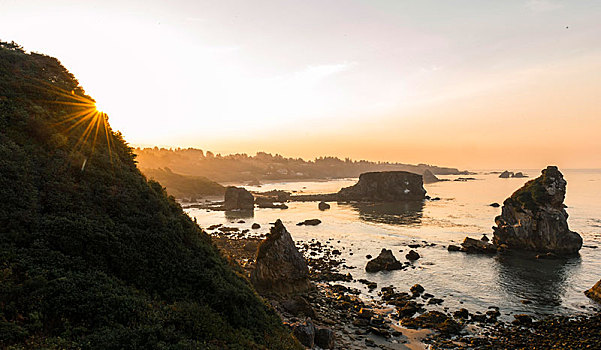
[(471, 84)]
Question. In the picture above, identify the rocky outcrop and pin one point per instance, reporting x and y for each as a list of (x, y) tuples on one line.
[(280, 267), (412, 255), (309, 222), (384, 262), (385, 186), (506, 174), (429, 177), (471, 245), (595, 292), (323, 206), (534, 217), (238, 198)]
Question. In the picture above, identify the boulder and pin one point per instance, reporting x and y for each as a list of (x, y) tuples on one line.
[(412, 255), (453, 248), (495, 205), (324, 338), (280, 268), (323, 206), (304, 332), (429, 177), (595, 292), (534, 217), (298, 306), (238, 198), (309, 222), (519, 174), (255, 226), (506, 175), (385, 186), (385, 261), (471, 245)]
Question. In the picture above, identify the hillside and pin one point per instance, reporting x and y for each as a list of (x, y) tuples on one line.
[(267, 167), (184, 186), (92, 254)]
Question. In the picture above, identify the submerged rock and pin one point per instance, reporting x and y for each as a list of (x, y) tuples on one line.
[(429, 177), (238, 198), (384, 262), (534, 217), (280, 267), (385, 186), (595, 292), (309, 222)]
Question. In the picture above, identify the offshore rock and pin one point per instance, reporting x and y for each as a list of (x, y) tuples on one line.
[(323, 205), (595, 292), (238, 198), (385, 186), (429, 177), (506, 175), (280, 267), (385, 261), (534, 217), (471, 245)]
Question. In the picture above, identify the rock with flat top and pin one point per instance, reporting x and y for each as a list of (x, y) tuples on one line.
[(385, 186)]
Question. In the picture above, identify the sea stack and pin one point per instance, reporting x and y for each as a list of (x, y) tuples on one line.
[(385, 186), (238, 198), (534, 217), (280, 267)]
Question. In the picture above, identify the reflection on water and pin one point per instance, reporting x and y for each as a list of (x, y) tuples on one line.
[(399, 213), (540, 281), (239, 214)]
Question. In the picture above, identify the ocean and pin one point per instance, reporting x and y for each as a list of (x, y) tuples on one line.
[(516, 282)]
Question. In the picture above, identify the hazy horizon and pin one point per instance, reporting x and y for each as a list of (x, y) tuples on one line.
[(466, 84)]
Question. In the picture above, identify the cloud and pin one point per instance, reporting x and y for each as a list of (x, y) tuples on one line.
[(543, 5)]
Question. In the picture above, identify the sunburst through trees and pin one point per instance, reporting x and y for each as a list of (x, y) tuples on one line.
[(82, 115)]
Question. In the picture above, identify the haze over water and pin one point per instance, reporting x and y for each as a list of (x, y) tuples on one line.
[(462, 280)]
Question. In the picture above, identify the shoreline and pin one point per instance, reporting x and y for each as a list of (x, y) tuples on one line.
[(341, 309)]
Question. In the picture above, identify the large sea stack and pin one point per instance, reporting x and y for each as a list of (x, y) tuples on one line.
[(534, 217), (238, 198), (280, 267), (385, 186)]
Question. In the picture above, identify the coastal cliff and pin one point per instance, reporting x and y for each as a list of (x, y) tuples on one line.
[(93, 254)]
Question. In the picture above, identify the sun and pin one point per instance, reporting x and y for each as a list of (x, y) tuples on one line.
[(85, 117)]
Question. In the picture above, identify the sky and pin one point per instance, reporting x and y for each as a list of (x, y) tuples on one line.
[(472, 84)]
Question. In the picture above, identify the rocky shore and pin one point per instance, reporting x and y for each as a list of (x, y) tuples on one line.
[(333, 315)]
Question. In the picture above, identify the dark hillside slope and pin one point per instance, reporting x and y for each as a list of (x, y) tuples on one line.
[(92, 255)]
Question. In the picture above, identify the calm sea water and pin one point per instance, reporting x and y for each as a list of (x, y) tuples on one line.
[(472, 281)]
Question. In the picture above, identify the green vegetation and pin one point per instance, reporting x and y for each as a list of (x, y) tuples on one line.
[(92, 255), (533, 194), (266, 167), (183, 186)]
